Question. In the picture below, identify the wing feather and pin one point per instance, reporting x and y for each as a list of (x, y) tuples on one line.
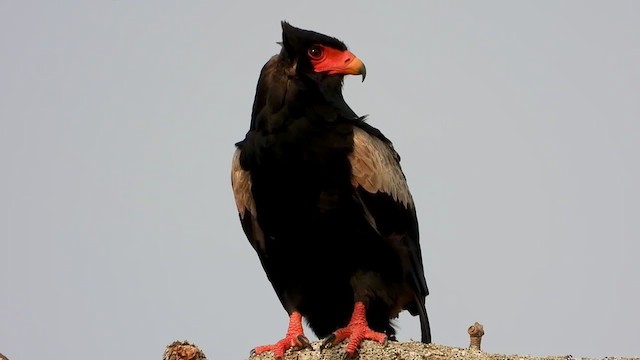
[(388, 206), (241, 184), (375, 167)]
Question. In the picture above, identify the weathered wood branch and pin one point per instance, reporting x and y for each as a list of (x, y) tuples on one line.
[(373, 351)]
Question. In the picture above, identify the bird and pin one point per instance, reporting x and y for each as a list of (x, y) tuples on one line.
[(324, 202)]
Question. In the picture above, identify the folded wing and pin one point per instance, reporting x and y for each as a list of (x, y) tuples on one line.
[(384, 194)]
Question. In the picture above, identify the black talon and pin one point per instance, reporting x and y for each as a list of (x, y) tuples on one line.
[(352, 356), (386, 341), (328, 342), (306, 344)]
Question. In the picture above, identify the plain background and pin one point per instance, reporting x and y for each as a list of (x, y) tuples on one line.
[(518, 124)]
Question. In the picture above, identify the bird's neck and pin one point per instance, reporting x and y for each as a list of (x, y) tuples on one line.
[(281, 99), (331, 92)]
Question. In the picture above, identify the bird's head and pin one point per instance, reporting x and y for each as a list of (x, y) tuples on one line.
[(304, 80), (317, 56)]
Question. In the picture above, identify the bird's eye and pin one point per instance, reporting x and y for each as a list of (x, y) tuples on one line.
[(316, 52)]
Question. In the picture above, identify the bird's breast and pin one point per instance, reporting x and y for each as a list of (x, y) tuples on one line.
[(301, 179)]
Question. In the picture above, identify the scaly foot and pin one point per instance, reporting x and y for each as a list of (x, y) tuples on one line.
[(293, 339), (357, 331)]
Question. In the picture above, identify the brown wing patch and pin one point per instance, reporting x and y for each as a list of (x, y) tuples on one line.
[(241, 183), (374, 167)]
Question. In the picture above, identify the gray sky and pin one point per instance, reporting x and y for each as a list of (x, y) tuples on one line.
[(518, 124)]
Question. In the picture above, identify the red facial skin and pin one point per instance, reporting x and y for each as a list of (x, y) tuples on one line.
[(332, 61)]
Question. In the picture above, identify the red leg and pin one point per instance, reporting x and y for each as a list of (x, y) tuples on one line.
[(357, 331), (293, 339)]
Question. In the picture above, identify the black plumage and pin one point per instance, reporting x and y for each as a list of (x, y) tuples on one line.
[(322, 197)]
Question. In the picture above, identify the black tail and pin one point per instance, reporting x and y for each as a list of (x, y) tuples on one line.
[(425, 328)]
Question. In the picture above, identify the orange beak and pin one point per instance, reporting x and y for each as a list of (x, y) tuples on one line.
[(355, 67)]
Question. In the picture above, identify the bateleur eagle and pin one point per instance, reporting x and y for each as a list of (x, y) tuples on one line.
[(324, 202)]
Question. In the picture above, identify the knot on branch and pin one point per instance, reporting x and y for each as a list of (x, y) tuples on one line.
[(182, 350), (475, 333)]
